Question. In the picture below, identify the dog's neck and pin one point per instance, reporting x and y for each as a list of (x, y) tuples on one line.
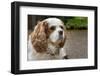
[(52, 49)]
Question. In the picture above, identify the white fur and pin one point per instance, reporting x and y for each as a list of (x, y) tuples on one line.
[(54, 36)]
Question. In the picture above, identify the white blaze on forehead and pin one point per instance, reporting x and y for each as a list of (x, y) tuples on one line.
[(54, 21)]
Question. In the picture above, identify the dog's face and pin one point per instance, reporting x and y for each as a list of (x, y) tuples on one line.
[(51, 31), (56, 31)]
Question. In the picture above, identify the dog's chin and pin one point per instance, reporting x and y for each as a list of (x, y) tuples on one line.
[(58, 43)]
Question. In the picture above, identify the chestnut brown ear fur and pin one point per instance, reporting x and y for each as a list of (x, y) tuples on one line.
[(39, 37)]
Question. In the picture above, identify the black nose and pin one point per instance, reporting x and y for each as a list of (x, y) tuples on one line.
[(60, 32)]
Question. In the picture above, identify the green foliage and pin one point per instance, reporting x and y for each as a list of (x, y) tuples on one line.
[(71, 22), (75, 22)]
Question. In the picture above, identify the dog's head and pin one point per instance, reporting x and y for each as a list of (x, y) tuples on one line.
[(56, 31), (51, 30)]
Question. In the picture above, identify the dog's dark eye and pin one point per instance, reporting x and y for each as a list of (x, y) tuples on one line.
[(53, 28), (61, 27)]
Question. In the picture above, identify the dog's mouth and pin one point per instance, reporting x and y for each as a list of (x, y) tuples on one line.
[(59, 43), (60, 37)]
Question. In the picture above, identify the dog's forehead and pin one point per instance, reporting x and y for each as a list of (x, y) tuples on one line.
[(54, 22)]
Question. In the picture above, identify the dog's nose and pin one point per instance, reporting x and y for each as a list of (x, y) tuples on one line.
[(60, 32)]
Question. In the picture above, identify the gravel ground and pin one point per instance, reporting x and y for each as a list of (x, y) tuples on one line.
[(76, 44)]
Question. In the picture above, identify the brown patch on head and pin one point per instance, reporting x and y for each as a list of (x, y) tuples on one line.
[(39, 37), (51, 29)]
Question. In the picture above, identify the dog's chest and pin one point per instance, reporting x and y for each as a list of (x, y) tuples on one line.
[(52, 53)]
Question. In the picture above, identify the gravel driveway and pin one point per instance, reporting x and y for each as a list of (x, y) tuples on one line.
[(76, 44)]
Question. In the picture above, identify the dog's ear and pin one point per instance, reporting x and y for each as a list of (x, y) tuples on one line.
[(39, 36)]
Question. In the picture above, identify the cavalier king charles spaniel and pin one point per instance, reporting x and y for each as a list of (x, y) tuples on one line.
[(47, 40)]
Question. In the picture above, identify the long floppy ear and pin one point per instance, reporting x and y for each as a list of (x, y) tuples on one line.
[(39, 37)]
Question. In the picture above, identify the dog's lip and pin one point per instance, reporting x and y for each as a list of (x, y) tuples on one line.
[(60, 38)]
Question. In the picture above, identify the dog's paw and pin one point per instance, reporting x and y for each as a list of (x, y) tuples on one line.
[(65, 57)]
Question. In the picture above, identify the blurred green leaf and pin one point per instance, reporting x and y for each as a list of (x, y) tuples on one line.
[(75, 22)]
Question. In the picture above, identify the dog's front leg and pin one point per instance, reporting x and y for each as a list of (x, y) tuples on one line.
[(63, 54)]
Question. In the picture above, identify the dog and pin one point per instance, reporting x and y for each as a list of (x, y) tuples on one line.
[(47, 40)]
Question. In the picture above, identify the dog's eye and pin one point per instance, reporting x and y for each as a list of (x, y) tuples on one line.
[(53, 28), (61, 27)]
